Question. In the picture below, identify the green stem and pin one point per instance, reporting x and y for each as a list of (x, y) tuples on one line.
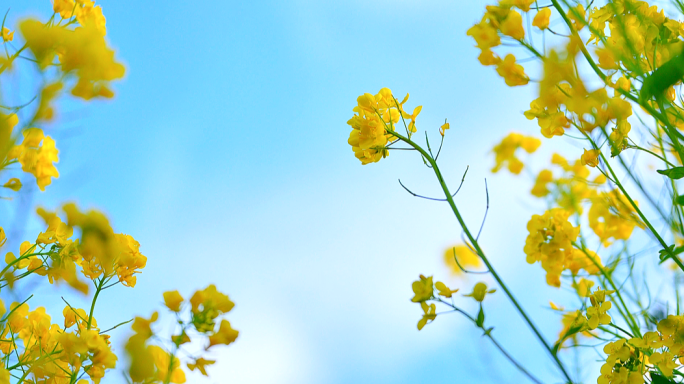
[(92, 306), (488, 333), (480, 253), (638, 211)]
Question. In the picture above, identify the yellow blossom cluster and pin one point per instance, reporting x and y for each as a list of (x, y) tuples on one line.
[(375, 118), (151, 363), (424, 291), (76, 247), (504, 152), (506, 20), (612, 217), (37, 154), (81, 52), (550, 242)]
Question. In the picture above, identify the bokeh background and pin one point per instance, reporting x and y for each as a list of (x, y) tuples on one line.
[(224, 154)]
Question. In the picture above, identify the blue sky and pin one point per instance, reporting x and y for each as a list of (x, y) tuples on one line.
[(224, 154)]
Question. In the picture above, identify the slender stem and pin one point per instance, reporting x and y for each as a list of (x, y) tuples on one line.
[(481, 253), (488, 333), (92, 306), (641, 214)]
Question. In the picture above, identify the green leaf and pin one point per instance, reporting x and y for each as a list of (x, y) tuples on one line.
[(673, 173), (664, 254), (480, 317), (660, 379), (662, 78), (679, 200)]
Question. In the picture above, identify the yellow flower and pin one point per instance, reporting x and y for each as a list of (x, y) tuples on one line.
[(485, 35), (466, 258), (13, 184), (550, 242), (513, 73), (480, 291), (612, 217), (583, 288), (91, 16), (7, 35), (487, 57), (541, 19), (373, 123), (429, 314), (422, 289), (65, 8), (168, 366), (173, 300), (590, 157), (505, 151), (35, 158), (207, 305), (444, 290), (200, 364), (443, 128), (225, 335), (665, 361), (599, 306), (512, 26), (540, 188)]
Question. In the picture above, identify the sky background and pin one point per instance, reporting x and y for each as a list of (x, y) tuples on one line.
[(225, 155)]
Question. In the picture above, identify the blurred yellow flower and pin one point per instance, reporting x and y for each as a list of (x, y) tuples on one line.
[(466, 258), (173, 300), (541, 19)]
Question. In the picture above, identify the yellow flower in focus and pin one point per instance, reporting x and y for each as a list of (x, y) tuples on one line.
[(622, 365), (429, 314), (597, 313), (173, 300), (550, 242), (590, 157), (373, 123), (480, 291), (7, 35), (541, 19), (513, 73), (466, 258), (422, 289)]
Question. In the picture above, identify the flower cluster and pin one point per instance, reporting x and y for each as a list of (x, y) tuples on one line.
[(196, 323), (550, 242), (504, 152), (76, 247)]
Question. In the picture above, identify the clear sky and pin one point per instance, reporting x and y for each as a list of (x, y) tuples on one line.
[(225, 155)]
